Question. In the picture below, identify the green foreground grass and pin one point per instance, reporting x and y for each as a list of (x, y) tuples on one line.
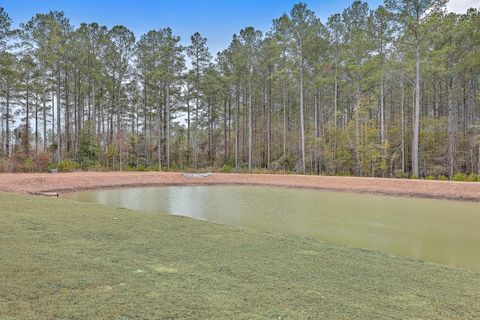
[(61, 259)]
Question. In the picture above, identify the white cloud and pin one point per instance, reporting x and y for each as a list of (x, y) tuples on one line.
[(461, 6)]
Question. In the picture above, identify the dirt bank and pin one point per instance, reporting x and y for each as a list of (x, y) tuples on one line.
[(35, 183)]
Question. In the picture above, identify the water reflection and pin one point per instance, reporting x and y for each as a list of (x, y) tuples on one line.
[(440, 231)]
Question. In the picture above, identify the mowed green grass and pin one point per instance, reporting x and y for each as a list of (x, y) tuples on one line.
[(61, 259)]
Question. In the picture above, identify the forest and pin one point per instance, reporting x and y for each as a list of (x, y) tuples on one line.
[(392, 91)]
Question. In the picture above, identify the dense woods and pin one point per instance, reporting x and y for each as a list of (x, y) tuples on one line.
[(392, 91)]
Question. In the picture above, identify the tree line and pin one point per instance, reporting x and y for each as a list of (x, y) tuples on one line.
[(391, 91)]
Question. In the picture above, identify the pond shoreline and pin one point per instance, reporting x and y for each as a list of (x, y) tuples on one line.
[(42, 183)]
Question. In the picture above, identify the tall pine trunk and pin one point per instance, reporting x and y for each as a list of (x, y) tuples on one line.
[(250, 124), (450, 130), (315, 130), (237, 126), (36, 125), (27, 118), (167, 107), (159, 134), (416, 117), (335, 113), (382, 123), (302, 122), (358, 102), (59, 129), (7, 119), (402, 121), (44, 111)]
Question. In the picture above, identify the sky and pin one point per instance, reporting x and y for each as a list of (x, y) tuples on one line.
[(214, 19)]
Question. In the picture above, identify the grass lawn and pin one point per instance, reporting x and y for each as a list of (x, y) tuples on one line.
[(61, 259)]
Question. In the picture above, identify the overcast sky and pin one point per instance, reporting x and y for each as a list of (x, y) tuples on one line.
[(460, 6)]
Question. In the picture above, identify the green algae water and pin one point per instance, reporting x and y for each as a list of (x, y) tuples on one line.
[(440, 231)]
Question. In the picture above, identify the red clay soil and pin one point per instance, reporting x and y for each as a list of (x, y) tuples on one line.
[(42, 183)]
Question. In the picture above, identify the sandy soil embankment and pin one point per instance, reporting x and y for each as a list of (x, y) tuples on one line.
[(37, 183)]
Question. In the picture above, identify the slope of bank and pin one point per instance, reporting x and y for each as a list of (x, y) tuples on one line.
[(66, 259), (34, 183)]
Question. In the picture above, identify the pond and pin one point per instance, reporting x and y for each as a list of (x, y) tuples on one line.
[(441, 231)]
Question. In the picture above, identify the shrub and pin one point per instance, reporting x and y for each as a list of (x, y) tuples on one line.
[(260, 170), (430, 177), (98, 167), (5, 165), (414, 176), (472, 177), (88, 151), (226, 168), (442, 177), (66, 165), (17, 162), (459, 177), (230, 161), (275, 166), (28, 164), (435, 170), (286, 162), (153, 167), (25, 162), (42, 161), (401, 175)]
